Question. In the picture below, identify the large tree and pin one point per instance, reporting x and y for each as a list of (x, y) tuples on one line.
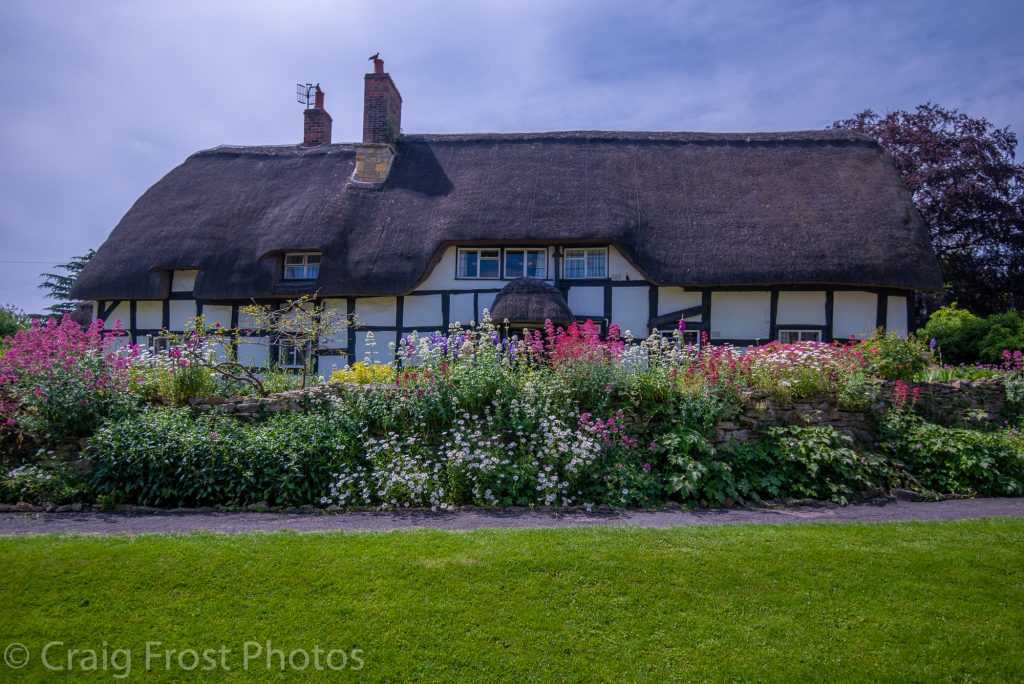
[(58, 285), (968, 186)]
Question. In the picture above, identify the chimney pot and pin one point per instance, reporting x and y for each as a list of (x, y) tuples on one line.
[(382, 107), (316, 128)]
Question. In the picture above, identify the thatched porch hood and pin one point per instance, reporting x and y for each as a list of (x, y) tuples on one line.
[(689, 209)]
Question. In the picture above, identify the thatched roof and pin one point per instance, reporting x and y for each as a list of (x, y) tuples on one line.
[(691, 209), (528, 300)]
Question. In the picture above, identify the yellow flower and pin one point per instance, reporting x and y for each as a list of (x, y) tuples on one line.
[(365, 373)]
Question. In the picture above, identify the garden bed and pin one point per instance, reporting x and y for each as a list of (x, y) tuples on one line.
[(557, 418)]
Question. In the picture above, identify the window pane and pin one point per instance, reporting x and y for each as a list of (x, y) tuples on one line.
[(467, 264), (596, 263), (489, 253), (294, 272), (575, 265), (490, 266), (313, 259), (312, 271), (293, 259), (513, 263), (811, 335), (536, 264), (789, 336)]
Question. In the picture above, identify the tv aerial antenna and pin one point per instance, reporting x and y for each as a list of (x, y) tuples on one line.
[(305, 93)]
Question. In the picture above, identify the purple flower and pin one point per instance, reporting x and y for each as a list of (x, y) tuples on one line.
[(933, 343), (682, 325)]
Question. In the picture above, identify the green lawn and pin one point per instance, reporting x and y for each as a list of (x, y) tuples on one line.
[(908, 601)]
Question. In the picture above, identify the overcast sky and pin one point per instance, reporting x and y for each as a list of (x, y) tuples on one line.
[(99, 99)]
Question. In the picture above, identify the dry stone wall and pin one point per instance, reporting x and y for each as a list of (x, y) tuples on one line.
[(954, 402)]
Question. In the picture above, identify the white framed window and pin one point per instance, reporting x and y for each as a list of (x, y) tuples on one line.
[(301, 265), (159, 343), (690, 337), (526, 263), (589, 262), (479, 263), (791, 335), (293, 355)]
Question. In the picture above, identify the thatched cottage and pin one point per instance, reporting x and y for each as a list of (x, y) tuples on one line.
[(747, 236)]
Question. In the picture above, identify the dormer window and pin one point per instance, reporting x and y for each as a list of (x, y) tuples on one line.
[(591, 262), (301, 265)]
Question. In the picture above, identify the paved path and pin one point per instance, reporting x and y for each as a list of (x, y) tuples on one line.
[(141, 523)]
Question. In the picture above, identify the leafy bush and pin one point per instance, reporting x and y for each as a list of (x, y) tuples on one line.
[(167, 457), (805, 462), (890, 356), (11, 321), (57, 484), (956, 460), (1005, 333), (963, 337)]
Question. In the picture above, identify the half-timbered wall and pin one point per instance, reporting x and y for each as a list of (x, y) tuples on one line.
[(740, 316)]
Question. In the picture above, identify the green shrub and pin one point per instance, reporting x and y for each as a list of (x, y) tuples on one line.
[(805, 462), (34, 484), (167, 457), (963, 337), (11, 321), (1005, 331), (956, 460), (890, 356)]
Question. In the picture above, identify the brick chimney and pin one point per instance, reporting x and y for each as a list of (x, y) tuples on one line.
[(316, 128), (382, 123)]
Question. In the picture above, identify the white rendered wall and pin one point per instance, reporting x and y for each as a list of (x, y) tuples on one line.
[(122, 312), (183, 281), (460, 309), (182, 311), (149, 315), (586, 301), (485, 300), (801, 308), (854, 315), (327, 364), (376, 311), (896, 316), (620, 268), (676, 299), (630, 309), (381, 353), (253, 351), (422, 313), (741, 315), (338, 310), (216, 313)]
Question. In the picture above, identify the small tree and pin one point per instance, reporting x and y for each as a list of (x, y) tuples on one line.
[(298, 327), (58, 286)]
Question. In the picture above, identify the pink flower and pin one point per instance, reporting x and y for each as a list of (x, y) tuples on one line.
[(647, 467)]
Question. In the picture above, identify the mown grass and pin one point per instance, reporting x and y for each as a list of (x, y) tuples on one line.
[(906, 601)]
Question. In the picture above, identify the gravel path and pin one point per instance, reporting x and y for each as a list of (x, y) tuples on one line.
[(142, 523)]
